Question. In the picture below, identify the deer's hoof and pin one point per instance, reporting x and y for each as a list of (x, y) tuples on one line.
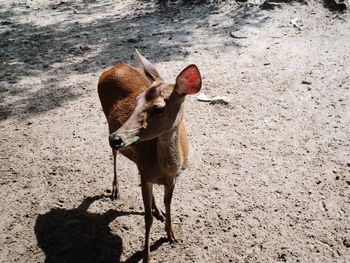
[(171, 237), (115, 196), (159, 215), (173, 241)]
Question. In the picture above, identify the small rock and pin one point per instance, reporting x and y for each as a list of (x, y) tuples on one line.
[(306, 82), (133, 40), (282, 257), (84, 48), (235, 36), (6, 23)]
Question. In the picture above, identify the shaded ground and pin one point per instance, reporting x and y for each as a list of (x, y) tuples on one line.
[(269, 173)]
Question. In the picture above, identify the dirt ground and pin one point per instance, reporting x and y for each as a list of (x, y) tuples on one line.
[(269, 173)]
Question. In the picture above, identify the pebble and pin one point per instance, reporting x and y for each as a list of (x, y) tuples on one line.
[(132, 40)]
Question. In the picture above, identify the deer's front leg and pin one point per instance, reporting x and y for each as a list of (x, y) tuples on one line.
[(115, 183), (147, 197), (168, 194)]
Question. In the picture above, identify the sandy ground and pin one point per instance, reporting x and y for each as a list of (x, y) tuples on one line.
[(269, 173)]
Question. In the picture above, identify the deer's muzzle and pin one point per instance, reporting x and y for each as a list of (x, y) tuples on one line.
[(118, 142)]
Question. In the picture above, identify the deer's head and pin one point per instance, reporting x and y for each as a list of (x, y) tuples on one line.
[(159, 109)]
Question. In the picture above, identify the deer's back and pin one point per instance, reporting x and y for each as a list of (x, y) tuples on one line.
[(118, 89)]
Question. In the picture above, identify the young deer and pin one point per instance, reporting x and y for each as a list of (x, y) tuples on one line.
[(145, 118)]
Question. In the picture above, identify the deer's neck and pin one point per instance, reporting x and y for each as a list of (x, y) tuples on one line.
[(172, 150)]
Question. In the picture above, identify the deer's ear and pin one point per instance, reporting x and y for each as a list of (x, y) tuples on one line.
[(147, 66), (189, 81)]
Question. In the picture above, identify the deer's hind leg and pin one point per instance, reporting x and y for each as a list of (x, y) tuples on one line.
[(158, 213)]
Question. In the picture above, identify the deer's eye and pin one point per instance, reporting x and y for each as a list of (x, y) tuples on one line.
[(158, 109)]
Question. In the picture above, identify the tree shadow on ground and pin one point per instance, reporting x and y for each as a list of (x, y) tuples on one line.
[(78, 41), (75, 235)]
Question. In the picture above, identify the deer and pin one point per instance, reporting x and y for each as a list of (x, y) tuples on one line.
[(145, 116)]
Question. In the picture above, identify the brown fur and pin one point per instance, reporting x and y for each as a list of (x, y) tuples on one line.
[(118, 88)]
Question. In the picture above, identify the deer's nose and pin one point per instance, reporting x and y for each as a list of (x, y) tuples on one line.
[(115, 141)]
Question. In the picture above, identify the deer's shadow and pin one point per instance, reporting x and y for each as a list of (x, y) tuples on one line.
[(76, 235)]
